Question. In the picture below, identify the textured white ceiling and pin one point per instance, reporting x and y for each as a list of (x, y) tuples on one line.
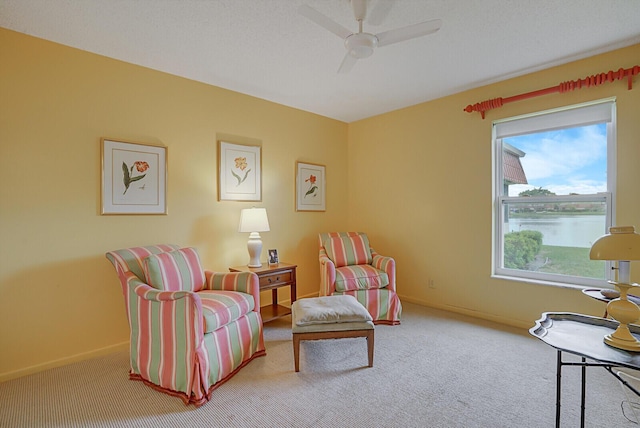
[(264, 48)]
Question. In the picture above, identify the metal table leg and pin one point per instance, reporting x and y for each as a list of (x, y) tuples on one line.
[(584, 388), (558, 385), (583, 395)]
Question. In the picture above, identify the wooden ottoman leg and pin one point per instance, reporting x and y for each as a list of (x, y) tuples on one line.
[(296, 352), (370, 347)]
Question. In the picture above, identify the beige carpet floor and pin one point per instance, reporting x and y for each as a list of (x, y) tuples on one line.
[(436, 369)]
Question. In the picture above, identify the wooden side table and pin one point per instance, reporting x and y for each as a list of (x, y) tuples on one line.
[(272, 277)]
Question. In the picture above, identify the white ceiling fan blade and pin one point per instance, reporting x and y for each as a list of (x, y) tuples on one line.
[(379, 12), (347, 63), (324, 21), (409, 32)]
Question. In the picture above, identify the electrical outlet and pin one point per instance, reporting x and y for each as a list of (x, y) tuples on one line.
[(432, 283)]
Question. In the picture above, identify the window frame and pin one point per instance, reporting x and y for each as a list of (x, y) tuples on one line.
[(500, 199)]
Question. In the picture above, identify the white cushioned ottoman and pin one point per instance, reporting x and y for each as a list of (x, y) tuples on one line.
[(330, 317)]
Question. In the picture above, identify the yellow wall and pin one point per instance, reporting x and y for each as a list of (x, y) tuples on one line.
[(60, 299), (418, 180), (427, 171)]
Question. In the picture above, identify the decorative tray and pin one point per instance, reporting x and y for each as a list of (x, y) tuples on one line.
[(583, 335), (596, 293)]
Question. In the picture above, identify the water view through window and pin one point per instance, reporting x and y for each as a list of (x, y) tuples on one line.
[(571, 231)]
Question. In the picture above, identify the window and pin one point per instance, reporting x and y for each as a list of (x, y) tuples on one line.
[(554, 182)]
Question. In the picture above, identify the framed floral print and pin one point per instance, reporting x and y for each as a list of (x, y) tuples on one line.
[(134, 178), (310, 187), (239, 172)]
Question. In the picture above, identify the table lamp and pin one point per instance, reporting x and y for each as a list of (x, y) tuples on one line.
[(622, 244), (254, 220)]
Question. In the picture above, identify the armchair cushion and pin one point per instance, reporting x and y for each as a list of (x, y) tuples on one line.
[(360, 277), (178, 270), (349, 250), (220, 307)]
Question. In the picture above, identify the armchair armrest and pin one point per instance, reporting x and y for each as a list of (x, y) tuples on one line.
[(244, 282), (165, 301), (146, 292), (386, 264), (327, 275), (151, 294)]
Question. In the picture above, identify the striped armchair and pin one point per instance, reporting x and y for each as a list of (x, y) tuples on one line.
[(191, 329), (348, 265)]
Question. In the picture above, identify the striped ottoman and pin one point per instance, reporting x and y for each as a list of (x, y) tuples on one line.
[(330, 317)]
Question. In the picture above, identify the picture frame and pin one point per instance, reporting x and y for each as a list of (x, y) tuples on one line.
[(134, 178), (273, 257), (310, 187), (239, 172)]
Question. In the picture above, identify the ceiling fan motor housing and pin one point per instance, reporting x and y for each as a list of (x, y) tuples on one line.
[(361, 45)]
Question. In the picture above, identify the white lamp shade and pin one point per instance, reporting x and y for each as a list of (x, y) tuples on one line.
[(253, 220), (622, 243)]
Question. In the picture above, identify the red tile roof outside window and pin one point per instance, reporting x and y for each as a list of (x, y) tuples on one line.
[(513, 171)]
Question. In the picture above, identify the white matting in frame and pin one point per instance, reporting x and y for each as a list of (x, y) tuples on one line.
[(134, 178), (310, 187), (239, 172)]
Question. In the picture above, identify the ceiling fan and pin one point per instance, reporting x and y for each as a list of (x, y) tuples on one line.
[(361, 45)]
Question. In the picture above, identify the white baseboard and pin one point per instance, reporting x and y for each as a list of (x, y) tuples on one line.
[(64, 361)]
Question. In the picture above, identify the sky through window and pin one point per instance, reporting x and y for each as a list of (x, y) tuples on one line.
[(565, 161)]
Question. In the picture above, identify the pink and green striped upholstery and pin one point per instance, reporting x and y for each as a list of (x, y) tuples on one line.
[(178, 270), (221, 307), (348, 250), (182, 342), (373, 284), (360, 277)]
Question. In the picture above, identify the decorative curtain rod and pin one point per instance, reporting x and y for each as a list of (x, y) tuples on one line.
[(563, 87)]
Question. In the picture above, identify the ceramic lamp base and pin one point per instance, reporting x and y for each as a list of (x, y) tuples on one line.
[(622, 339), (254, 246), (625, 312)]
